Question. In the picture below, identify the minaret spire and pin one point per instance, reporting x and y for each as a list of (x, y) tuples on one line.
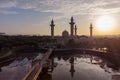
[(52, 28), (72, 26), (75, 30), (91, 33)]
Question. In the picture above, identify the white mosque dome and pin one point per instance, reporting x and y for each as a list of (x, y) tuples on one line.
[(65, 33)]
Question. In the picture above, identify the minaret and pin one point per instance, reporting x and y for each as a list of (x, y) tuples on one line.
[(72, 26), (72, 70), (91, 33), (52, 28), (75, 30)]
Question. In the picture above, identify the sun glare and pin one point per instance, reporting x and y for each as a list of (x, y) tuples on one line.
[(105, 23)]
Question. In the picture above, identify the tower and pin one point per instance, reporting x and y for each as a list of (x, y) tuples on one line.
[(72, 26), (72, 70), (52, 28), (75, 30), (91, 33)]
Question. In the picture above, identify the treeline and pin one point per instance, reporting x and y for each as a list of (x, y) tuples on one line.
[(36, 42), (112, 44), (23, 42)]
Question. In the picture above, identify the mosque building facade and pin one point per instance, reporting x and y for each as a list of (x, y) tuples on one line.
[(66, 36)]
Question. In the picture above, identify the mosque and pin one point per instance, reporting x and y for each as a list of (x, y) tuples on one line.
[(73, 33)]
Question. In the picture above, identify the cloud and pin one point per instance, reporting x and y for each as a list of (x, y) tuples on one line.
[(7, 3), (66, 7), (7, 12)]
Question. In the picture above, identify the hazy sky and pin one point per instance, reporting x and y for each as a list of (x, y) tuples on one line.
[(34, 16)]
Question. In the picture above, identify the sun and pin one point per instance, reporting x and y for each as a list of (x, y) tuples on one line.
[(105, 23)]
